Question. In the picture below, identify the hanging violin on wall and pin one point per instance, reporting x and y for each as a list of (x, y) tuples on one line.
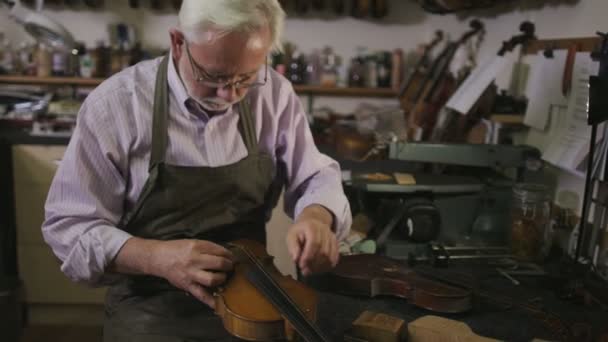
[(301, 6), (415, 80), (338, 6), (468, 128), (318, 5), (156, 4), (360, 8), (437, 87), (379, 9)]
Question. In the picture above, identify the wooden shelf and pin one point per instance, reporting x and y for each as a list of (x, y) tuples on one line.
[(67, 81), (345, 92), (301, 89), (507, 119)]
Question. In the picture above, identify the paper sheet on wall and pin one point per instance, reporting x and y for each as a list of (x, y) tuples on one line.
[(569, 143), (544, 89), (471, 89)]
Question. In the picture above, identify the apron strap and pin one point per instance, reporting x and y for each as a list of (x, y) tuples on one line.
[(159, 119), (247, 126)]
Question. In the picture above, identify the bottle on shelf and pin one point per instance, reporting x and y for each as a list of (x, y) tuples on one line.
[(7, 56), (384, 69), (60, 63), (296, 71), (371, 79), (26, 60), (397, 69), (87, 63), (330, 64), (313, 68), (44, 61), (357, 72)]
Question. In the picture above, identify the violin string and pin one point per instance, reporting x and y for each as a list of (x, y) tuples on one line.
[(283, 300), (300, 323), (289, 306)]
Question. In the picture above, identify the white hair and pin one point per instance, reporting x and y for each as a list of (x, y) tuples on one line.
[(198, 17)]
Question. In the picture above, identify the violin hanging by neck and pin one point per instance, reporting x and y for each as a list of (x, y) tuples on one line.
[(437, 87)]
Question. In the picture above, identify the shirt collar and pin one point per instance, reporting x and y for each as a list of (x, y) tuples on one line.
[(176, 85)]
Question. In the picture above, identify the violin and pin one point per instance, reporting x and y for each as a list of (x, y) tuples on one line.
[(380, 9), (360, 8), (301, 6), (338, 6), (459, 128), (177, 4), (318, 5), (412, 86), (438, 86), (258, 303), (374, 275)]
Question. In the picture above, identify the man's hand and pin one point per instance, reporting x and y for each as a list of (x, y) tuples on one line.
[(191, 265), (311, 242)]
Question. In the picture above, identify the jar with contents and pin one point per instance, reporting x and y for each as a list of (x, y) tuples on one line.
[(330, 64), (6, 56), (60, 63), (356, 75), (44, 61), (531, 231)]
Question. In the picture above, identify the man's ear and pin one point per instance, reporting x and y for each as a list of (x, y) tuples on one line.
[(177, 41)]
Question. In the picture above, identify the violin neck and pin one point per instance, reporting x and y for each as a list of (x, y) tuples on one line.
[(266, 284)]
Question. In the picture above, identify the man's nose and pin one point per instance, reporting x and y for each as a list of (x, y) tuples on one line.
[(227, 93)]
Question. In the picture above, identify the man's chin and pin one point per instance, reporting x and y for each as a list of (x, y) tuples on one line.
[(214, 107)]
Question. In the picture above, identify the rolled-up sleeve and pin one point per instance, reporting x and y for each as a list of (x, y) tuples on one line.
[(85, 201), (312, 177)]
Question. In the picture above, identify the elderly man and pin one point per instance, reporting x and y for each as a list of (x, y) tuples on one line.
[(176, 156)]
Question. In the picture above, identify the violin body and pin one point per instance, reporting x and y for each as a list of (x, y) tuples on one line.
[(246, 313), (375, 275)]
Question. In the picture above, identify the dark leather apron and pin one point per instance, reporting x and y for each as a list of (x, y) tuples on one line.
[(181, 202)]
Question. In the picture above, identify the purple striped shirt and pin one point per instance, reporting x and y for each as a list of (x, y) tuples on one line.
[(106, 162)]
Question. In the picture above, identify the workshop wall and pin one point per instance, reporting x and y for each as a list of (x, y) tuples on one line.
[(406, 27)]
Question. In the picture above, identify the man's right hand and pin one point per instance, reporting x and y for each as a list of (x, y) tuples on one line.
[(191, 265)]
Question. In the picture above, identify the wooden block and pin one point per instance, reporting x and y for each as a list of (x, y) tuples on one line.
[(376, 177), (404, 178), (439, 329), (378, 327)]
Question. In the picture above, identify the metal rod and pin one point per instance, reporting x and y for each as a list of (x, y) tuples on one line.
[(508, 276), (588, 180)]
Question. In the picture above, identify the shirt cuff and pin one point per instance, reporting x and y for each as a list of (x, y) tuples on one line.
[(336, 204), (87, 262)]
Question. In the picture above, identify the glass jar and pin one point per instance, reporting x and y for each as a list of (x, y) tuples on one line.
[(531, 231)]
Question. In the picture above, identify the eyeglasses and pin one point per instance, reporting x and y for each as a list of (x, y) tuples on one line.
[(203, 77)]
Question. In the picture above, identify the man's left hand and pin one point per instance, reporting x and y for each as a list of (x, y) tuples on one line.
[(311, 242)]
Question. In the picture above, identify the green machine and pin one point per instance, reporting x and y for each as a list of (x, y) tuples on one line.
[(460, 194)]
